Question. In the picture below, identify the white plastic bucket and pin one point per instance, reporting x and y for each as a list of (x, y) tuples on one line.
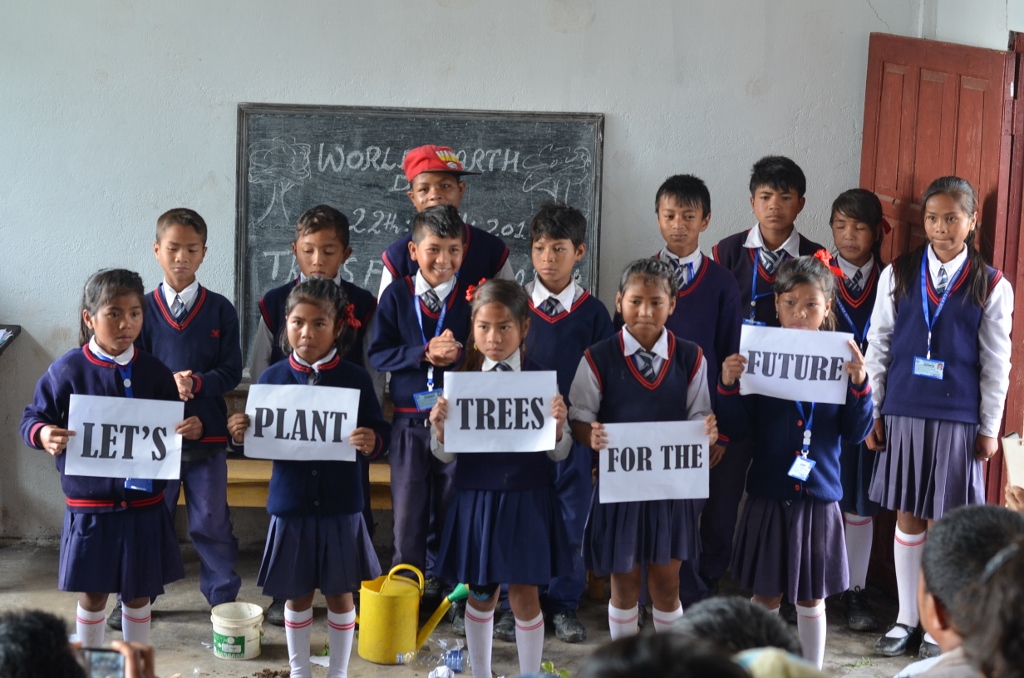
[(237, 630)]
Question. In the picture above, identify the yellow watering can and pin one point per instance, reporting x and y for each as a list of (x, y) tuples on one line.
[(389, 608)]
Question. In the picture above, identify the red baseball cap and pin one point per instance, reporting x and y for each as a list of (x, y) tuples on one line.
[(432, 159)]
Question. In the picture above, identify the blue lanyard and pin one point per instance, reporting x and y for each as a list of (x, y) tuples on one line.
[(930, 319), (808, 420), (437, 331), (126, 375), (861, 337), (754, 296)]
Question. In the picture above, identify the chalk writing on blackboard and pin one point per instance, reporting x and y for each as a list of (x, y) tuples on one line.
[(281, 164)]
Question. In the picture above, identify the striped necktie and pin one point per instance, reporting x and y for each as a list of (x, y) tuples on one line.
[(940, 286), (551, 306), (646, 364), (771, 260), (501, 367), (857, 281), (682, 272), (178, 308), (431, 301)]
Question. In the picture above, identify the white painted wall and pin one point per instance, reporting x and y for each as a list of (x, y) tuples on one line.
[(113, 111), (981, 23)]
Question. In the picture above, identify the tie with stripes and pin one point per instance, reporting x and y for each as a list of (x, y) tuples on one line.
[(551, 306), (178, 308), (771, 260), (940, 286), (501, 367), (646, 364), (431, 301), (682, 273), (857, 281)]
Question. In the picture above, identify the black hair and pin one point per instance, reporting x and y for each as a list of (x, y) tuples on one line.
[(181, 216), (993, 628), (559, 221), (320, 218), (811, 271), (907, 268), (650, 271), (864, 206), (960, 544), (34, 644), (734, 624), (666, 655), (329, 298), (101, 288), (443, 221), (509, 294), (778, 173), (687, 190)]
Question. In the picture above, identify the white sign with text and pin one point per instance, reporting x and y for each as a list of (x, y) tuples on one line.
[(654, 460), (500, 411), (799, 365), (301, 423)]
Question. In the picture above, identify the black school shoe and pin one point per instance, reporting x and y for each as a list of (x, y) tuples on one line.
[(928, 650), (275, 613), (114, 618), (787, 611), (894, 647), (859, 615), (457, 615), (505, 627), (568, 627)]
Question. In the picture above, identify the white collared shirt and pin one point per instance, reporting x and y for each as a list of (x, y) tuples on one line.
[(188, 295), (442, 291), (315, 366), (539, 294), (512, 361), (850, 270), (693, 258), (122, 359), (993, 341), (337, 278), (792, 244)]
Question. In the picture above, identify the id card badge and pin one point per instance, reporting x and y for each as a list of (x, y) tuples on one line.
[(930, 369), (140, 484), (425, 400), (751, 321), (801, 468)]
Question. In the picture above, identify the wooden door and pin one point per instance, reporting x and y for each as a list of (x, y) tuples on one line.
[(932, 109)]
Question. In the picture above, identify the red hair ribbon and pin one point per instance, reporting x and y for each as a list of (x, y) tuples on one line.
[(472, 289), (825, 257), (885, 226), (350, 317)]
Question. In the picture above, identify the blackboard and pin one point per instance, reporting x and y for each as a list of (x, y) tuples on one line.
[(292, 157)]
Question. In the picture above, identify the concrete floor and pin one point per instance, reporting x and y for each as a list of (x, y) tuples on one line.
[(181, 625)]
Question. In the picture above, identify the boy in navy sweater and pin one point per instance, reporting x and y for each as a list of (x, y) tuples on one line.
[(435, 178), (777, 187), (566, 321), (194, 331), (419, 331)]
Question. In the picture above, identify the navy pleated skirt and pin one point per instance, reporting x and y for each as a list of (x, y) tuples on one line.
[(134, 552), (797, 548), (493, 537), (857, 463), (331, 553), (928, 467)]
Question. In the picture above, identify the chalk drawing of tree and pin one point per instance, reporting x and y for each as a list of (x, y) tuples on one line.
[(556, 170), (282, 164)]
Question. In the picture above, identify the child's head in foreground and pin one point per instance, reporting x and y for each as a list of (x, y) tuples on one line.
[(667, 655)]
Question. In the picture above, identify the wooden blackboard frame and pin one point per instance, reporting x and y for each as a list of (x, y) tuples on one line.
[(243, 266)]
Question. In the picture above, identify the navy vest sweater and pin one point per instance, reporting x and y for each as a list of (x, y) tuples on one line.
[(397, 344), (506, 471), (742, 262), (324, 488), (272, 307), (957, 396), (483, 257), (857, 305), (561, 340), (627, 397), (79, 371), (779, 431), (207, 343)]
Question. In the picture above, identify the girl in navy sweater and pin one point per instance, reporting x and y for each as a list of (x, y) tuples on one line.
[(940, 361), (641, 374), (317, 537), (118, 536), (790, 537), (505, 524), (857, 230)]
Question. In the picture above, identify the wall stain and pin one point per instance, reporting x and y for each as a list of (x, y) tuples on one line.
[(571, 16)]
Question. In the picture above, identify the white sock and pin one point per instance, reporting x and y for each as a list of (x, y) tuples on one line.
[(135, 623), (663, 620), (623, 623), (859, 536), (929, 639), (479, 638), (810, 626), (89, 626), (340, 630), (530, 643), (298, 629), (907, 549)]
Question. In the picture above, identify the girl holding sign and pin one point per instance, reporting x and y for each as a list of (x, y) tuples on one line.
[(790, 536), (118, 536), (638, 375), (940, 359), (317, 537), (505, 524)]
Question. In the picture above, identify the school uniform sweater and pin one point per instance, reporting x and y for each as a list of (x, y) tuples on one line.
[(742, 262), (206, 342), (272, 307), (399, 345), (483, 256), (855, 306), (80, 371), (324, 488), (560, 341), (780, 433)]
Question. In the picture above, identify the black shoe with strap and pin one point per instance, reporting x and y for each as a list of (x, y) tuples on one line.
[(859, 615), (894, 647)]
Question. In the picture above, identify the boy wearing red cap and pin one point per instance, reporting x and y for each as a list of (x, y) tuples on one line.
[(435, 178)]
